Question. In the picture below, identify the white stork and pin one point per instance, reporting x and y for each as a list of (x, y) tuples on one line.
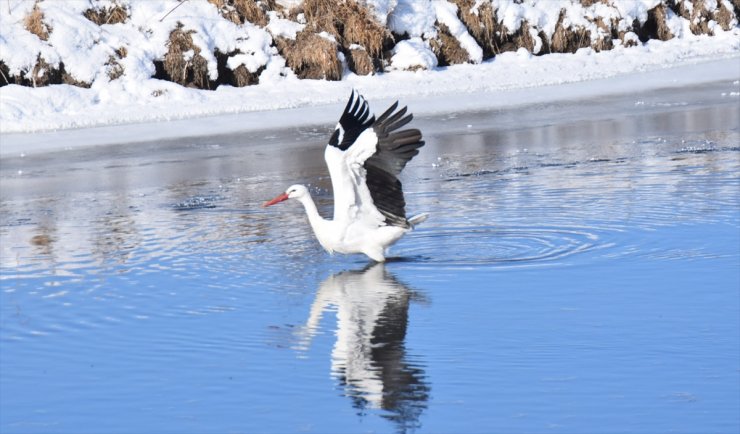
[(365, 156)]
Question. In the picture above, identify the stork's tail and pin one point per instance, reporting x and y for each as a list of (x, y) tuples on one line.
[(420, 218)]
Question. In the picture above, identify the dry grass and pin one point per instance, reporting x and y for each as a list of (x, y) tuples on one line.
[(241, 11), (255, 12), (603, 39), (311, 56), (360, 62), (183, 63), (238, 77), (242, 77), (447, 48), (603, 43), (361, 28), (363, 40), (491, 36), (521, 38), (113, 68), (698, 17), (227, 10), (34, 23), (659, 15), (349, 22), (587, 3), (482, 25), (568, 40), (107, 15), (321, 16), (42, 74), (655, 27), (724, 16)]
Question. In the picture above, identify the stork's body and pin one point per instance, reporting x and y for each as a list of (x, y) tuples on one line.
[(364, 156)]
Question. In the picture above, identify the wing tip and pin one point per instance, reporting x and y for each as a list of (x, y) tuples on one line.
[(418, 219), (355, 119)]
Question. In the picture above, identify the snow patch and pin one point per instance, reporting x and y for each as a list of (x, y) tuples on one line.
[(85, 47), (413, 54), (413, 17), (282, 27)]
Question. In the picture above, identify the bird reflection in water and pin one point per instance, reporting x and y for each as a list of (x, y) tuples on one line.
[(369, 357)]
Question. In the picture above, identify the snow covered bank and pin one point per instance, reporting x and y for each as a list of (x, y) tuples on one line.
[(121, 62), (24, 109), (423, 97), (210, 43)]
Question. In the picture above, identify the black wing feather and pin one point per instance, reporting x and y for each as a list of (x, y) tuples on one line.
[(353, 122), (395, 149)]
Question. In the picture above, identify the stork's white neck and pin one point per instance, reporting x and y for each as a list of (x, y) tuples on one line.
[(320, 226)]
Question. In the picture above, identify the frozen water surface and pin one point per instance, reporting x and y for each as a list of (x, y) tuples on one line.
[(580, 273)]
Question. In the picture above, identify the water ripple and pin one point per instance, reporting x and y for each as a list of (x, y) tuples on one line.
[(502, 246)]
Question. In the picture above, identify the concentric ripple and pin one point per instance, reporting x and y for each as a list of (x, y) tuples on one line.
[(503, 246)]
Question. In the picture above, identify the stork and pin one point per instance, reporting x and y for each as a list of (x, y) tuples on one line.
[(365, 156)]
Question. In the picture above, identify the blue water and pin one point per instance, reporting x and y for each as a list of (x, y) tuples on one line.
[(580, 273)]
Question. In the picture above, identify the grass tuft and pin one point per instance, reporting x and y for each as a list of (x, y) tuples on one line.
[(34, 23), (360, 62), (447, 48), (312, 56), (183, 63), (352, 24), (115, 14), (241, 11)]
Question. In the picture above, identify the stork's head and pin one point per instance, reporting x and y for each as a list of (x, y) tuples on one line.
[(293, 192)]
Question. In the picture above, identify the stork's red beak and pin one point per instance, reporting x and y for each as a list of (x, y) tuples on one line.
[(278, 199)]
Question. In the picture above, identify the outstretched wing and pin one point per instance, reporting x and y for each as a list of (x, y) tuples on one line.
[(364, 163), (394, 150), (352, 142)]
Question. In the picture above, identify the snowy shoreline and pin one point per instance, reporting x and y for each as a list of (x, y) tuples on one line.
[(97, 67), (78, 117)]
